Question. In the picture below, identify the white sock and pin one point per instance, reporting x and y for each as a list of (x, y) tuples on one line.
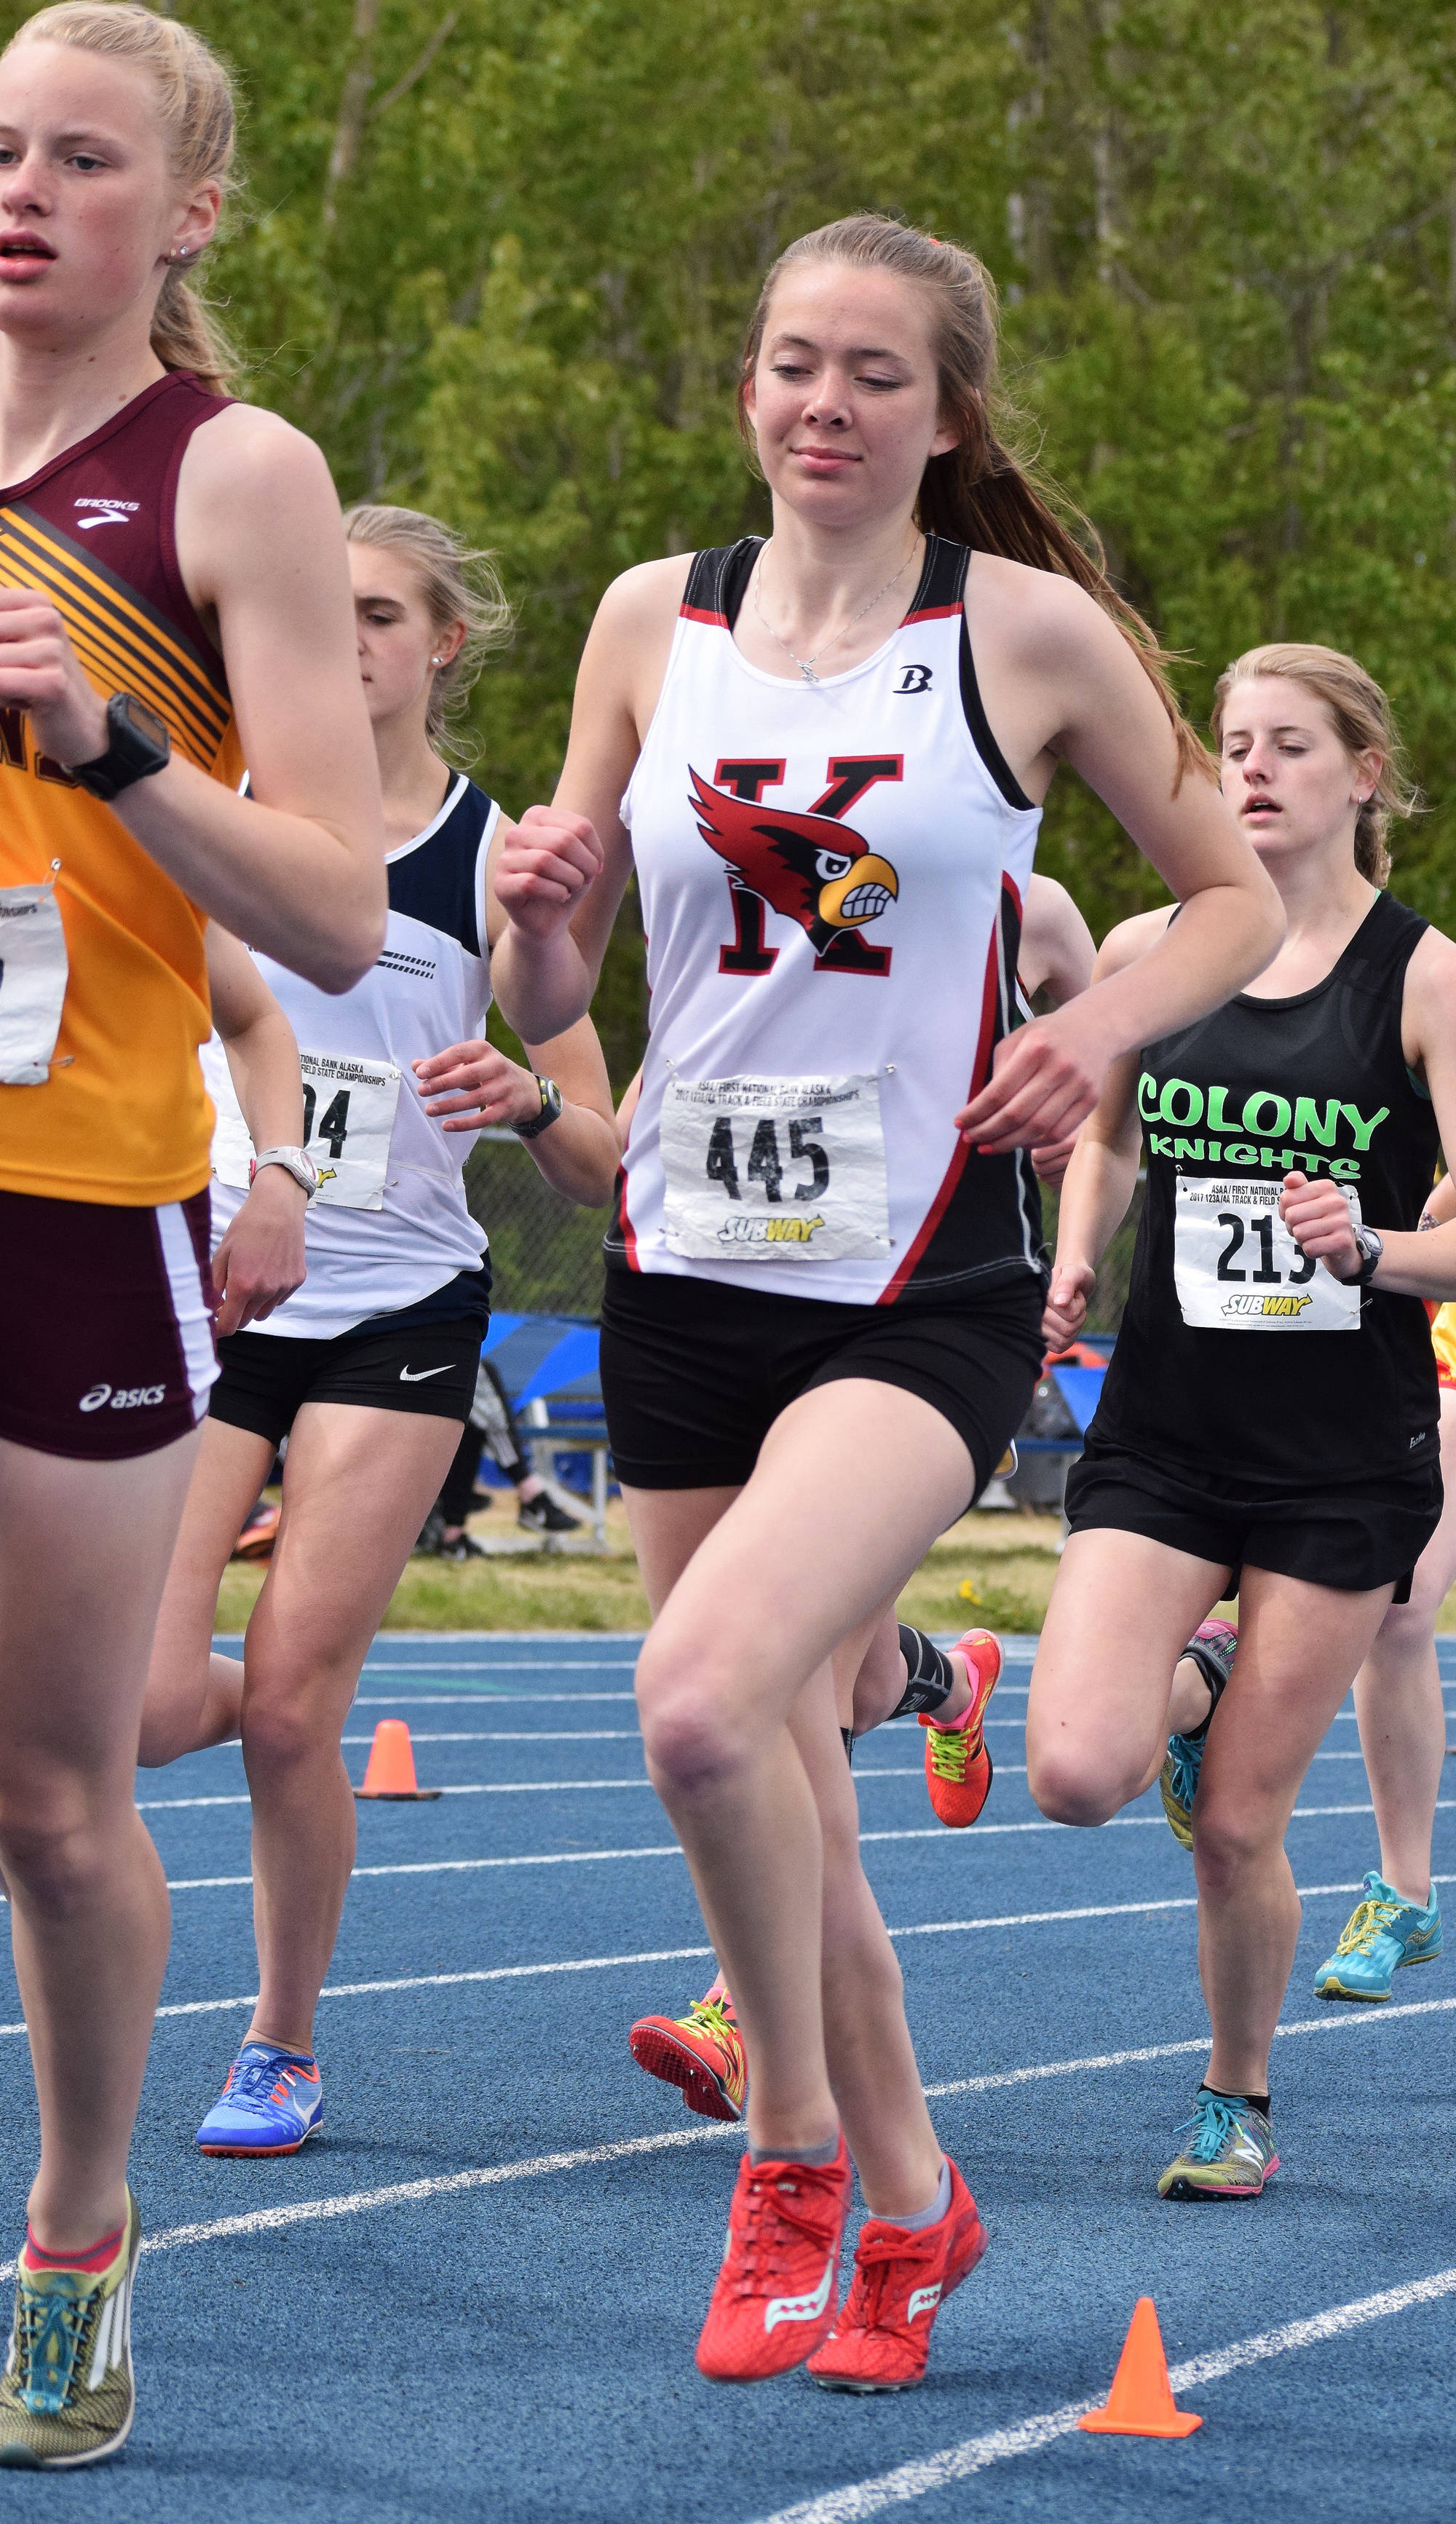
[(932, 2215)]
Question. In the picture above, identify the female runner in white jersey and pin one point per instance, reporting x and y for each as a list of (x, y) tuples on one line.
[(370, 1368), (1270, 1414), (823, 1312), (171, 581)]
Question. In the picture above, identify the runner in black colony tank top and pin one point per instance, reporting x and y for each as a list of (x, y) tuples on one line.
[(1270, 1422)]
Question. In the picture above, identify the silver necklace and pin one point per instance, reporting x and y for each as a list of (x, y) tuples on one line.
[(805, 665)]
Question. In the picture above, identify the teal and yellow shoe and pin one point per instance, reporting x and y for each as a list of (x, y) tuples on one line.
[(1228, 2157), (1382, 1933), (1212, 1649), (67, 2396)]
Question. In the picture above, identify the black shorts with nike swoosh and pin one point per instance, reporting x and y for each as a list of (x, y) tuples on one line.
[(267, 1377)]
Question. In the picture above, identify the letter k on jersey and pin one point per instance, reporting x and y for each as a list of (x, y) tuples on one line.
[(812, 867)]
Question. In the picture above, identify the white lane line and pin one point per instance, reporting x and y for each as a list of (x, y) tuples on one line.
[(930, 2472), (453, 1699), (929, 1928), (512, 1665), (1196, 2371), (577, 1787), (499, 1735)]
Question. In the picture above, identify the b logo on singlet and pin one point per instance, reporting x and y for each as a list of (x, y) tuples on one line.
[(812, 867), (913, 679)]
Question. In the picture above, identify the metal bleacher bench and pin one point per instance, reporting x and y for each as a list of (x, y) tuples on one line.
[(548, 1367)]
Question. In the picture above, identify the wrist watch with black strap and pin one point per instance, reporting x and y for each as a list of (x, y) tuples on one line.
[(1369, 1247), (551, 1111), (139, 744)]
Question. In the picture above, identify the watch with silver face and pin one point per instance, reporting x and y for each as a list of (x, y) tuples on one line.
[(1370, 1248), (551, 1111), (294, 1161)]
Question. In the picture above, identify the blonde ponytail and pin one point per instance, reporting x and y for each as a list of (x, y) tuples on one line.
[(197, 114)]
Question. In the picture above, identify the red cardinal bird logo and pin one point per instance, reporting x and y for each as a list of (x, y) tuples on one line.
[(812, 868)]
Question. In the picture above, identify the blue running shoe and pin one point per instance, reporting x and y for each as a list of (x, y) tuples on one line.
[(1212, 1648), (1382, 1933), (273, 2101)]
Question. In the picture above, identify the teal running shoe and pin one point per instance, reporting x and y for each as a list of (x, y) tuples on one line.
[(1228, 2157), (1382, 1933), (67, 2395), (273, 2101), (1211, 1647)]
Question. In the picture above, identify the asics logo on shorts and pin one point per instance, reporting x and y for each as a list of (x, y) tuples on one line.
[(134, 1397), (800, 2309)]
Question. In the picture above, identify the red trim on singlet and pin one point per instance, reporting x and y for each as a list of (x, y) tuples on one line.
[(629, 1232), (934, 613), (985, 1045), (701, 614)]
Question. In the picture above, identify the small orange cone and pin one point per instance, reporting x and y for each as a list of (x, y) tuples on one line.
[(1140, 2402), (391, 1767)]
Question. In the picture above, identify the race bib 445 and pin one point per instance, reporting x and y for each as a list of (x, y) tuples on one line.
[(774, 1169), (1237, 1268)]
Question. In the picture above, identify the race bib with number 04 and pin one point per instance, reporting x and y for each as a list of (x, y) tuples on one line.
[(33, 974), (774, 1169), (349, 1110), (1237, 1268)]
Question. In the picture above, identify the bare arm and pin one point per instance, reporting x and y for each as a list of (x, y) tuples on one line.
[(473, 1087), (299, 873), (1058, 952), (1414, 1264), (1066, 687), (1097, 1190), (558, 877), (260, 1260)]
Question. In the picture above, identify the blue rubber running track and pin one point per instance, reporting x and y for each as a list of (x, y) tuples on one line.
[(477, 2294)]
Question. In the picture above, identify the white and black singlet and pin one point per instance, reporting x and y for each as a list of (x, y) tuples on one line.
[(1244, 1376), (392, 1248), (832, 878)]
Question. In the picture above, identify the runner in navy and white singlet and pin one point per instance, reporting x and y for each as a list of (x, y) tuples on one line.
[(370, 1368), (822, 1321), (1270, 1420)]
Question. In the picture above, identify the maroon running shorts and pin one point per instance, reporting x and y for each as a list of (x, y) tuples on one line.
[(105, 1325)]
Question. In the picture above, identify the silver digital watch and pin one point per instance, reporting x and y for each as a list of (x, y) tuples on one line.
[(294, 1161), (1369, 1245)]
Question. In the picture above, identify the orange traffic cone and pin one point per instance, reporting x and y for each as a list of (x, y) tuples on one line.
[(1140, 2402), (391, 1767)]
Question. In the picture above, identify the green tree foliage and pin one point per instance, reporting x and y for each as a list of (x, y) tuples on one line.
[(498, 257)]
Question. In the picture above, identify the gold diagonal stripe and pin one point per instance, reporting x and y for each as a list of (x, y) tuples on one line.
[(144, 638), (87, 616), (116, 665), (91, 570)]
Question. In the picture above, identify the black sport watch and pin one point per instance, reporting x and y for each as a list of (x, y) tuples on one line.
[(140, 744), (551, 1111)]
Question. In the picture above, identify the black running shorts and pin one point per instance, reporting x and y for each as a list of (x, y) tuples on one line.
[(695, 1373), (267, 1377), (1353, 1535)]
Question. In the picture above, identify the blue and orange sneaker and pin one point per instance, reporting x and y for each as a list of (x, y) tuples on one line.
[(273, 2101), (957, 1761)]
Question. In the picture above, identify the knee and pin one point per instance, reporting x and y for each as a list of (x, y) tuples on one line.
[(1070, 1787), (691, 1738), (54, 1838), (284, 1725), (1225, 1846)]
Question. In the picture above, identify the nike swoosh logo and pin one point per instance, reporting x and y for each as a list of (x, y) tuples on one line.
[(419, 1374)]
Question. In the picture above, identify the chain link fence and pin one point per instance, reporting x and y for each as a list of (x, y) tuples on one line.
[(545, 1252)]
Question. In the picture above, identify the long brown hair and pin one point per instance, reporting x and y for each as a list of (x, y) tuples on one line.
[(979, 493), (195, 106), (458, 584), (1364, 723)]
